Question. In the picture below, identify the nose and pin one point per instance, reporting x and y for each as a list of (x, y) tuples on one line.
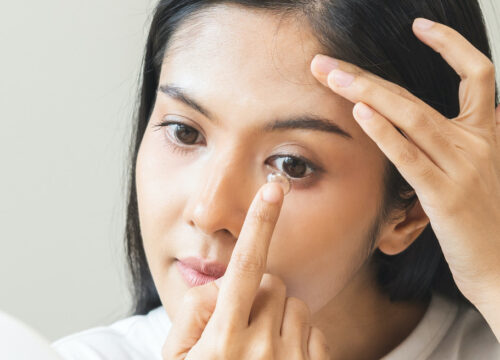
[(223, 192)]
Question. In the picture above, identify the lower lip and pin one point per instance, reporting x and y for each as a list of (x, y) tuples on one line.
[(193, 277)]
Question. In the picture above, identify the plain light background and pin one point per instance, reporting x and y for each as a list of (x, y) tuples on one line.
[(68, 79)]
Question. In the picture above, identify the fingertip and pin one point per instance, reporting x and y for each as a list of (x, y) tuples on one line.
[(272, 192), (312, 65), (330, 81), (315, 62), (362, 111), (321, 66), (422, 24)]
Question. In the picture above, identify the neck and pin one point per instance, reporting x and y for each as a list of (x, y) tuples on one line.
[(361, 323)]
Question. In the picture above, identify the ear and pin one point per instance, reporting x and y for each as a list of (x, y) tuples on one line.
[(395, 237)]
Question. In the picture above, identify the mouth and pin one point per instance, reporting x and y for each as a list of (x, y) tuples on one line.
[(197, 271)]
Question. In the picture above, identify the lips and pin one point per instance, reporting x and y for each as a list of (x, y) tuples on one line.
[(209, 268), (197, 271)]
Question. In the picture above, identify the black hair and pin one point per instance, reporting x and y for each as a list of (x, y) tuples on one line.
[(375, 35)]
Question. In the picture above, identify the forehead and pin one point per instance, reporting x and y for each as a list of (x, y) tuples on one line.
[(255, 55)]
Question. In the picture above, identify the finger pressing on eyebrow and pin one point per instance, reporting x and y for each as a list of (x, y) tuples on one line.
[(322, 65)]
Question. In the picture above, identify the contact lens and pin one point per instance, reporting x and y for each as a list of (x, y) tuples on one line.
[(281, 178)]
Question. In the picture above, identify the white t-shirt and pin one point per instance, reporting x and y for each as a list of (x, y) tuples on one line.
[(447, 331)]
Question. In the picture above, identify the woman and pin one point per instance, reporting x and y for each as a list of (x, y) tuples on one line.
[(387, 245)]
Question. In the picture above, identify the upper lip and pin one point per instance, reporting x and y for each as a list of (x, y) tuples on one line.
[(207, 267)]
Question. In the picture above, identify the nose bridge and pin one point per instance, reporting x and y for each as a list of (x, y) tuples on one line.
[(220, 200)]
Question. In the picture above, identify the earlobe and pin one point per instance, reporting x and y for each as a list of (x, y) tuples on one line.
[(399, 235)]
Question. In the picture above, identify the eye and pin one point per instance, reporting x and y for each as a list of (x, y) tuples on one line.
[(295, 167), (180, 133), (184, 133)]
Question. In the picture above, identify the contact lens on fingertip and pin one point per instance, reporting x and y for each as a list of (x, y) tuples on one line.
[(281, 179)]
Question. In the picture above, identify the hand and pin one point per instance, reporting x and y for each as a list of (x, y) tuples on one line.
[(249, 317), (452, 164)]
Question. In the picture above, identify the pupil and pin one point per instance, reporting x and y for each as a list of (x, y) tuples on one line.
[(294, 167), (186, 134)]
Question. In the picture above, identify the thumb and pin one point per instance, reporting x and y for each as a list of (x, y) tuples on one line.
[(190, 320)]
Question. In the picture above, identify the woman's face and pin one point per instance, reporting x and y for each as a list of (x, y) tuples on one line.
[(249, 69)]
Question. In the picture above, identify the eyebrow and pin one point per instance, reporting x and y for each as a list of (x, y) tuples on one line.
[(303, 121)]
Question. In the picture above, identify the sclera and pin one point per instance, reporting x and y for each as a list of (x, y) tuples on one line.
[(280, 178)]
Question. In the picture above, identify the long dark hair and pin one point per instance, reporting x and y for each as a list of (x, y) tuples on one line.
[(374, 35)]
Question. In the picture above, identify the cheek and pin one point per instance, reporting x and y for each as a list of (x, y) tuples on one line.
[(325, 237), (158, 193)]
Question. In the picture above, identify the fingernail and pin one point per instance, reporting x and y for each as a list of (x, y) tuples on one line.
[(325, 64), (423, 24), (341, 78), (271, 193), (363, 111)]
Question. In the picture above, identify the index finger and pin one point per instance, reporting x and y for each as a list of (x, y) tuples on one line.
[(249, 258), (477, 72)]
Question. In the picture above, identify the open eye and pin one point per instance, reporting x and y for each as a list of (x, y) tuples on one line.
[(179, 136), (293, 166), (183, 133)]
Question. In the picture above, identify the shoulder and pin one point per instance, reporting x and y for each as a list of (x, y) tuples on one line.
[(468, 337), (136, 337), (449, 331)]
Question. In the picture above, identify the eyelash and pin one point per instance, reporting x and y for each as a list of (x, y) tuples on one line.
[(184, 150)]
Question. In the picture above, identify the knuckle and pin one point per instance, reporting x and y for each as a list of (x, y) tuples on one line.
[(437, 137), (401, 91), (274, 282), (426, 173), (415, 118), (365, 88), (409, 155), (298, 307), (483, 70), (247, 263)]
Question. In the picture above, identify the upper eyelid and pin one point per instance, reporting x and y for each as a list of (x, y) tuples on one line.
[(164, 122)]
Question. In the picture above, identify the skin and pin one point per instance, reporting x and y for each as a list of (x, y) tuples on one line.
[(241, 60)]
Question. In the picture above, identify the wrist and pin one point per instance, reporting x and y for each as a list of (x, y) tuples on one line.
[(489, 307)]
